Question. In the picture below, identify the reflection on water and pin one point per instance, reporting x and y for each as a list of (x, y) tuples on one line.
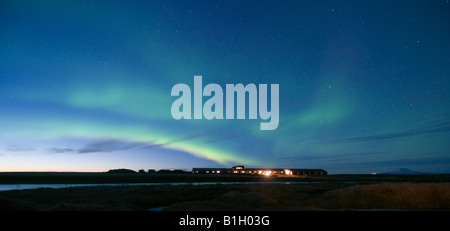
[(4, 187), (157, 208)]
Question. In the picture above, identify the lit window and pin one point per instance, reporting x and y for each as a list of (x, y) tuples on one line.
[(217, 171)]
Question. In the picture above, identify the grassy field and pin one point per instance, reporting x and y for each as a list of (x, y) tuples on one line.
[(334, 192)]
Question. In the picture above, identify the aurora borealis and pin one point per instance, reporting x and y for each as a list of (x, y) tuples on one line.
[(363, 85)]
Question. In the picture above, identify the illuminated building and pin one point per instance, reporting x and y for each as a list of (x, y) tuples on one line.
[(260, 171)]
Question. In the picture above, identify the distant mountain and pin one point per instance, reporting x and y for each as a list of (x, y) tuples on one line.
[(404, 171), (122, 170)]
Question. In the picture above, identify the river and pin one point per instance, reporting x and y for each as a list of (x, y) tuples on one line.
[(5, 187)]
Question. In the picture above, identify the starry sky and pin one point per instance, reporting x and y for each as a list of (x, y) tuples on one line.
[(86, 85)]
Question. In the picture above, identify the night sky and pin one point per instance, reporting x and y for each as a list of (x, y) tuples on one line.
[(364, 86)]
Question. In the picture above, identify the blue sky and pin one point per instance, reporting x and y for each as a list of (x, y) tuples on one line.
[(86, 85)]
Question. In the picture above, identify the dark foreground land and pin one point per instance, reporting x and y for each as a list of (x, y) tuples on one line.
[(334, 192)]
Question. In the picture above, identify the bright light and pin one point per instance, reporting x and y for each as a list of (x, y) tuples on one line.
[(267, 173), (288, 172), (259, 172)]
